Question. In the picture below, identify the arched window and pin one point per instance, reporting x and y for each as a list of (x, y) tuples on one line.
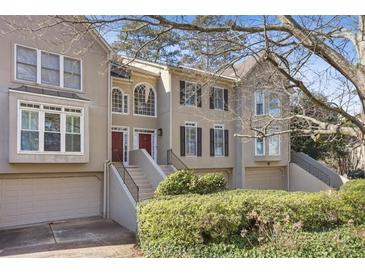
[(144, 100), (119, 101)]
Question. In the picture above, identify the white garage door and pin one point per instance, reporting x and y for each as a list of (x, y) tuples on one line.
[(265, 178), (27, 201)]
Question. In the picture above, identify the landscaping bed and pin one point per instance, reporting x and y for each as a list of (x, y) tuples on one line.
[(255, 223)]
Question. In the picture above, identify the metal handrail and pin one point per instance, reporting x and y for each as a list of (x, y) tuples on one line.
[(128, 180), (173, 159), (310, 168)]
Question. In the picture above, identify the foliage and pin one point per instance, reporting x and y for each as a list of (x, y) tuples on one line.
[(250, 223), (184, 181)]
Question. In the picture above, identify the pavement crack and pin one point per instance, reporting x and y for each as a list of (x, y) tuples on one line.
[(53, 235)]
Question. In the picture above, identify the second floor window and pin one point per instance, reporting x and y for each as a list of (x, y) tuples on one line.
[(274, 105), (119, 101), (41, 67), (218, 98), (190, 94), (144, 100)]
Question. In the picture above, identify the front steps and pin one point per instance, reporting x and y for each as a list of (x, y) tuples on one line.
[(167, 169), (146, 190)]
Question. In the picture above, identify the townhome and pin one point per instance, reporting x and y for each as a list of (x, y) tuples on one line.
[(54, 121), (188, 118)]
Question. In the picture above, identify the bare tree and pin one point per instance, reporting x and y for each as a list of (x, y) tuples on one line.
[(314, 55)]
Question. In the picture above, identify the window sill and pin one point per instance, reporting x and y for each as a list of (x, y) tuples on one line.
[(267, 158), (34, 84)]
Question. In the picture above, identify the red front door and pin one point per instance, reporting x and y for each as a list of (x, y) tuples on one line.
[(145, 142), (117, 146)]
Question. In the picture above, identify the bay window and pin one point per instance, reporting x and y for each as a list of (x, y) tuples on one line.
[(41, 67), (259, 146), (274, 142), (50, 129)]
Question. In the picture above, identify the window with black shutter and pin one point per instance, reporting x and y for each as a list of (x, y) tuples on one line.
[(182, 141), (226, 99), (211, 133), (211, 98), (182, 92), (199, 144), (199, 96), (226, 142)]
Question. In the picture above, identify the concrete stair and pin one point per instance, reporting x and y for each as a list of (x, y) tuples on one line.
[(146, 190), (167, 169)]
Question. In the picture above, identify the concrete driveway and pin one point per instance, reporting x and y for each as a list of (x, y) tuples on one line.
[(91, 237)]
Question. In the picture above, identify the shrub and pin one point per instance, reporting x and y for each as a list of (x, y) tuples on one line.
[(184, 182), (249, 218), (355, 185)]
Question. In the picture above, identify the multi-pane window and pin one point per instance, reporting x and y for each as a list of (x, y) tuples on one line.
[(54, 69), (52, 132), (218, 98), (119, 101), (45, 128), (218, 140), (50, 69), (144, 100), (29, 133), (190, 139), (72, 73), (259, 103), (190, 94), (274, 142), (73, 133), (259, 146), (26, 64), (274, 105)]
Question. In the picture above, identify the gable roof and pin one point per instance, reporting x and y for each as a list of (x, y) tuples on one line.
[(241, 69)]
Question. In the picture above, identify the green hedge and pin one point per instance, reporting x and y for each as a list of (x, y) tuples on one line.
[(247, 217), (185, 181)]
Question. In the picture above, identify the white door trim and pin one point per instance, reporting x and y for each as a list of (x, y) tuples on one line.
[(126, 142), (153, 133)]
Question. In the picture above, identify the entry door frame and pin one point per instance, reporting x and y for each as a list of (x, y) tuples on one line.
[(125, 131), (153, 132)]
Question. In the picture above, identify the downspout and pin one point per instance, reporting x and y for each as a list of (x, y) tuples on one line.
[(289, 160), (170, 107), (107, 162)]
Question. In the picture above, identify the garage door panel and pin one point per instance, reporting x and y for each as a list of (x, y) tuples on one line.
[(26, 201), (265, 178)]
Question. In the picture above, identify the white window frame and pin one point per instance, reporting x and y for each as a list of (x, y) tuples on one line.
[(263, 144), (153, 133), (219, 127), (275, 129), (126, 143), (39, 68), (41, 111), (214, 91), (195, 84), (123, 94), (133, 100), (263, 103), (189, 124)]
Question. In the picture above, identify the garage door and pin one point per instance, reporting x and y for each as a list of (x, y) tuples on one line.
[(27, 201), (266, 178)]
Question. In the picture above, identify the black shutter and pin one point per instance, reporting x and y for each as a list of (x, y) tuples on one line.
[(226, 142), (199, 95), (225, 99), (182, 92), (212, 142), (182, 141), (199, 144), (211, 98)]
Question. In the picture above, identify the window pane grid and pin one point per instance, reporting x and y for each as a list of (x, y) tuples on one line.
[(144, 100), (117, 103), (218, 142), (190, 94), (218, 98), (190, 140)]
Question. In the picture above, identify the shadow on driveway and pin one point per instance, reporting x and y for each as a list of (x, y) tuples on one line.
[(78, 235)]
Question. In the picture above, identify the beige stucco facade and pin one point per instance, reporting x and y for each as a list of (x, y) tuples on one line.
[(171, 115), (27, 179)]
